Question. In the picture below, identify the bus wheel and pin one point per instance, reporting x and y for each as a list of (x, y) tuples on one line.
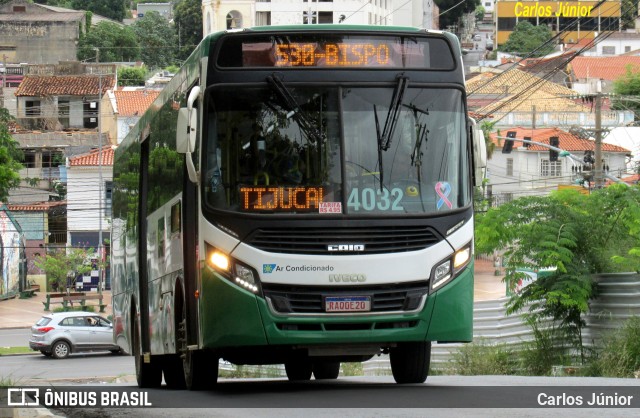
[(173, 373), (148, 375), (410, 362), (200, 368), (299, 369), (326, 369)]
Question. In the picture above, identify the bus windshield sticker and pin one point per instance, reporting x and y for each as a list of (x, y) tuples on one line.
[(330, 207), (443, 190)]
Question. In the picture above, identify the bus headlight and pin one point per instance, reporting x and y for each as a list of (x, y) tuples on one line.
[(451, 267), (232, 270)]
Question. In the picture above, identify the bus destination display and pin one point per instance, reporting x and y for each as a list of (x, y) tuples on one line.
[(298, 51)]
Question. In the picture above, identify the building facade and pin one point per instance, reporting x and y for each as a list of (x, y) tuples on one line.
[(36, 34), (573, 20), (236, 14)]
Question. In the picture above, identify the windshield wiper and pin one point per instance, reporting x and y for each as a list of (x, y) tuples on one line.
[(421, 135), (384, 137), (299, 115)]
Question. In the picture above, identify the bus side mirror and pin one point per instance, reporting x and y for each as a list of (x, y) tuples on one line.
[(479, 153), (186, 130)]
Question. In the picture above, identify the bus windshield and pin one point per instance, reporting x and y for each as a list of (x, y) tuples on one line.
[(323, 150)]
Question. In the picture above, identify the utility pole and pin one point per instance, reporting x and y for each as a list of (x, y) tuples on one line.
[(533, 117), (598, 175)]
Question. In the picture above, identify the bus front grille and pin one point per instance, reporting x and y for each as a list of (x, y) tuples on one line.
[(401, 297), (355, 240)]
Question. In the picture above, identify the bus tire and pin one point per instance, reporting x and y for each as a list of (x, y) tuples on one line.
[(326, 369), (200, 370), (148, 375), (173, 372), (299, 369), (410, 361)]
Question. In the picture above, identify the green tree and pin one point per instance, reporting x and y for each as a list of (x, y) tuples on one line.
[(157, 39), (452, 10), (627, 89), (187, 18), (577, 235), (527, 39), (113, 9), (10, 156), (130, 76), (479, 12), (62, 267), (115, 43)]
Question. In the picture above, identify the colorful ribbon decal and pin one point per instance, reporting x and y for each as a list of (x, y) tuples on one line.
[(443, 189)]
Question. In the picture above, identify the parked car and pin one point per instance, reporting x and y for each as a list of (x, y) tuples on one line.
[(477, 37), (59, 334)]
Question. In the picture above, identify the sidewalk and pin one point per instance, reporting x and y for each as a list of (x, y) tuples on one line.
[(23, 313)]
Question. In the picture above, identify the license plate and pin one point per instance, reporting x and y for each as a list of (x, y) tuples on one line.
[(347, 304)]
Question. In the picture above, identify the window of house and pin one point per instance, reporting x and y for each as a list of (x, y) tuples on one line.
[(90, 114), (28, 158), (487, 4), (263, 18), (608, 50), (234, 19), (627, 48), (550, 168), (509, 166), (108, 192), (309, 17), (32, 108), (325, 17)]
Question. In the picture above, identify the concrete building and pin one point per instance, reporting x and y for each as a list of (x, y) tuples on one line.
[(234, 14), (35, 34)]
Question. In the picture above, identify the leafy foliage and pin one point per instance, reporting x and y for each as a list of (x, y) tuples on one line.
[(575, 234), (452, 10), (627, 89), (10, 156), (620, 352), (157, 39), (528, 39), (188, 20), (64, 266), (113, 9), (115, 43), (130, 76)]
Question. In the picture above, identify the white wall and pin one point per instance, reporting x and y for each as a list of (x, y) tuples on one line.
[(83, 199)]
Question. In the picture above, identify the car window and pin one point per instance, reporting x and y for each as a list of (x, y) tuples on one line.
[(103, 322), (43, 321), (72, 322)]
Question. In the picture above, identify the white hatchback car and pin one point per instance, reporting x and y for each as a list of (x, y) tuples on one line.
[(60, 334)]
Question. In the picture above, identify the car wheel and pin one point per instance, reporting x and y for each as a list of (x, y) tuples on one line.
[(60, 349), (45, 353)]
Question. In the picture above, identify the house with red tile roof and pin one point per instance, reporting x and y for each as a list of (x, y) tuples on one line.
[(44, 226), (89, 191), (124, 109), (528, 169), (585, 72)]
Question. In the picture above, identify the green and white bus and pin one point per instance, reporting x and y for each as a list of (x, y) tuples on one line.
[(298, 195)]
